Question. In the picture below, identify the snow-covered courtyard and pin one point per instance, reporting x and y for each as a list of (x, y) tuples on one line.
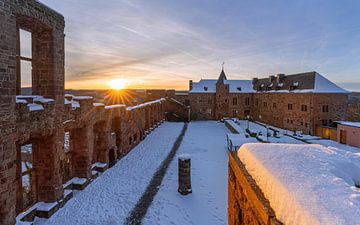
[(111, 197), (206, 143)]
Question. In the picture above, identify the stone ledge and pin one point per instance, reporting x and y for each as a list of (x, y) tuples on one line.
[(258, 207)]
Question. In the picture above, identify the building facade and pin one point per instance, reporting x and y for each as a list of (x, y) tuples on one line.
[(298, 102)]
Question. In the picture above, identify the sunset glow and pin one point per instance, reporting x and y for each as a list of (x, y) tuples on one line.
[(117, 84)]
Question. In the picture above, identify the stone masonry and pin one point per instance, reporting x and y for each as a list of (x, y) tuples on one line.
[(97, 133), (290, 107)]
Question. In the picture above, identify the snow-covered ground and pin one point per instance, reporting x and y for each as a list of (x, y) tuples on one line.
[(110, 197), (205, 142), (242, 125), (317, 182)]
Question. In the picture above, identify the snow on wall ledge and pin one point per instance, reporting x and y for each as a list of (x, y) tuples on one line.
[(306, 184)]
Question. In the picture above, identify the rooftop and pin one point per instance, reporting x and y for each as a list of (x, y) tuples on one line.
[(309, 82)]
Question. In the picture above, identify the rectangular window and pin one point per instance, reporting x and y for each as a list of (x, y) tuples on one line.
[(209, 111), (24, 61), (265, 104), (274, 105), (325, 108), (199, 99), (290, 106), (304, 108), (247, 101), (235, 101)]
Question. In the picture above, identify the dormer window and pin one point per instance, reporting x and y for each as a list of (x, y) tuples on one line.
[(294, 86), (238, 88), (205, 88)]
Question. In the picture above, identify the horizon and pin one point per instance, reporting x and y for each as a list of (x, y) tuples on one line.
[(163, 45)]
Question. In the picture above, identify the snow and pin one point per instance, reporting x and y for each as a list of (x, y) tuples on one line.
[(21, 101), (77, 180), (184, 156), (317, 182), (75, 104), (198, 87), (96, 104), (34, 107), (234, 85), (145, 104), (114, 106), (205, 141), (245, 85), (323, 85), (99, 165), (26, 148), (42, 206), (35, 98), (281, 137), (81, 97), (66, 102), (111, 196), (348, 123)]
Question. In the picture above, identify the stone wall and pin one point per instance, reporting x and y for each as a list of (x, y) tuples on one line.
[(246, 202), (97, 133), (291, 111), (48, 64)]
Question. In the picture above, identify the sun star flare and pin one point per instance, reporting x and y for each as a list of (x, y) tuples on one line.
[(117, 84)]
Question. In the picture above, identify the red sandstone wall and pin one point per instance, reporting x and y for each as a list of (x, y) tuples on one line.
[(246, 203)]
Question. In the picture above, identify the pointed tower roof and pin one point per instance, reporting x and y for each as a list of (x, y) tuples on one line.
[(222, 77)]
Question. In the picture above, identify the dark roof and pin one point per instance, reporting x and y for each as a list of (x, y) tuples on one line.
[(222, 77), (300, 81)]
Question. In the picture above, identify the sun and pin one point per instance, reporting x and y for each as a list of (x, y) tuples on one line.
[(117, 84)]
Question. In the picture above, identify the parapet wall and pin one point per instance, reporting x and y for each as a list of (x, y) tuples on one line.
[(98, 135), (246, 202)]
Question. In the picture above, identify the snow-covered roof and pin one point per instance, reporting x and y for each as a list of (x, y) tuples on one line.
[(323, 85), (309, 82), (235, 86), (239, 86), (317, 182), (348, 123), (204, 86)]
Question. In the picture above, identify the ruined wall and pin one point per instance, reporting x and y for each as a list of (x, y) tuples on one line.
[(246, 202), (48, 68), (97, 133)]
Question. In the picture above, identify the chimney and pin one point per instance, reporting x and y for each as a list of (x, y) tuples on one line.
[(254, 80), (190, 85), (271, 78), (280, 78)]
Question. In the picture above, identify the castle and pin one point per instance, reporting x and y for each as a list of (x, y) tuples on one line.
[(298, 102)]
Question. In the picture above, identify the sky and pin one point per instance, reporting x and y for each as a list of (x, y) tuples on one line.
[(165, 43)]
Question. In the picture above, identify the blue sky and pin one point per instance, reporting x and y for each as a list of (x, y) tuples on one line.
[(158, 43)]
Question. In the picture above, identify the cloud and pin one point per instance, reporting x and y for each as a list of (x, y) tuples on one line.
[(174, 41)]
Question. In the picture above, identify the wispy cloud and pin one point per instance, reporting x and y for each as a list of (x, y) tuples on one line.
[(164, 43)]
